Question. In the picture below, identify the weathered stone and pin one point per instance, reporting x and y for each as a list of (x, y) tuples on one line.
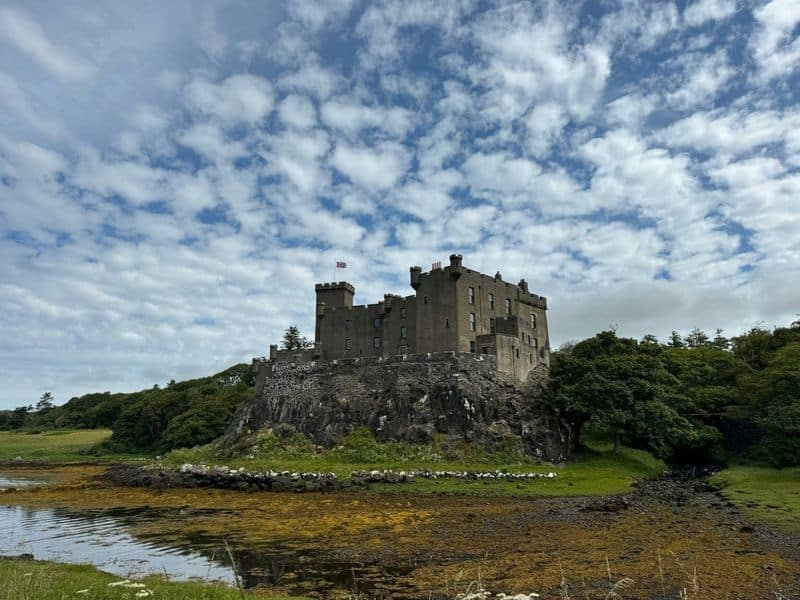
[(406, 398)]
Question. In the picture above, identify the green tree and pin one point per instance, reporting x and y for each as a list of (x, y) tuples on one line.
[(45, 402), (696, 338), (720, 342), (292, 340), (649, 339), (675, 340), (627, 390)]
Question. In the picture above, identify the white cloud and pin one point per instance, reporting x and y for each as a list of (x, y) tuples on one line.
[(776, 46), (298, 112), (237, 99), (26, 35), (702, 11), (374, 168)]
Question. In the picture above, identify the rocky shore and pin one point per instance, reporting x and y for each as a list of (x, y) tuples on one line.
[(192, 475)]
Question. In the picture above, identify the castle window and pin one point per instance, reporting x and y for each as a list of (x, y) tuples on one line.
[(403, 349), (425, 300), (403, 333), (508, 306), (530, 358), (447, 323), (472, 346), (348, 343), (491, 300), (529, 339), (535, 343), (485, 350), (348, 325), (403, 312), (492, 325), (517, 352), (376, 323), (376, 342), (472, 321), (471, 295), (533, 321)]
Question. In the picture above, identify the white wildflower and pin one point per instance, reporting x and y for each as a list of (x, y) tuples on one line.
[(135, 585), (118, 583), (143, 593)]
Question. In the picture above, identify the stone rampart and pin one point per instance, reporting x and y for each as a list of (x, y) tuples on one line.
[(409, 397)]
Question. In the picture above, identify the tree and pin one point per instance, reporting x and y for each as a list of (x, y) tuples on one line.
[(696, 338), (649, 339), (675, 340), (720, 342), (45, 402), (18, 417), (292, 340)]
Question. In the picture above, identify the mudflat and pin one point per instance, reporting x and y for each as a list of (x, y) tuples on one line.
[(665, 537)]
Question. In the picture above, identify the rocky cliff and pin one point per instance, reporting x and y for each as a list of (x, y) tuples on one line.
[(405, 398)]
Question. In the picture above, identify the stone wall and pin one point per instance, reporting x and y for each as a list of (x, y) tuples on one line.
[(405, 398)]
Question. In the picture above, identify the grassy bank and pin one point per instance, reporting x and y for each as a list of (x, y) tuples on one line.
[(595, 470), (42, 580), (765, 494), (57, 446)]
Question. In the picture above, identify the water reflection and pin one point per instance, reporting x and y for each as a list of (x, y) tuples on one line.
[(100, 540)]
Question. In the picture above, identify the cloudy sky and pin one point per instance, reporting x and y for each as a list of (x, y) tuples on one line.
[(176, 176)]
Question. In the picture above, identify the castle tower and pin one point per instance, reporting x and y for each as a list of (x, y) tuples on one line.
[(332, 295)]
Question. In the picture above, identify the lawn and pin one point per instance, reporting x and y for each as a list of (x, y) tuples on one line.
[(596, 470), (764, 494), (59, 446), (40, 580)]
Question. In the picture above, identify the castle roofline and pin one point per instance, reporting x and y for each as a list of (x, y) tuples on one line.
[(335, 285)]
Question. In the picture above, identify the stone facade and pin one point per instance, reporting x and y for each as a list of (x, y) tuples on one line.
[(454, 309)]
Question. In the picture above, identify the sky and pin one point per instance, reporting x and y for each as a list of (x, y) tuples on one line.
[(176, 176)]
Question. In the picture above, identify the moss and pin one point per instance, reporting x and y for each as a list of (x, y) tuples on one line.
[(764, 494)]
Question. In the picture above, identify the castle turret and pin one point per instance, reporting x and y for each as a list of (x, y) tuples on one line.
[(416, 275), (456, 269)]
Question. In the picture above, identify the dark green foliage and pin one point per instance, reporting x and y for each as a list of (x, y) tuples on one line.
[(663, 397), (635, 391), (184, 414), (292, 340)]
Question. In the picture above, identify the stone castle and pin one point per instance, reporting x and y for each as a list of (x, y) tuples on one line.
[(454, 310)]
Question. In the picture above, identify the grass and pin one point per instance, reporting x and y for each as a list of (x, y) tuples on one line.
[(57, 446), (597, 470), (764, 494), (41, 580)]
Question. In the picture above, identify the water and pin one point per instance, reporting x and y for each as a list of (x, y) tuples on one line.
[(7, 481), (101, 540)]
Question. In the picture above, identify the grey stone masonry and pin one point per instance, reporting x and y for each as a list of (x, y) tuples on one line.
[(453, 309)]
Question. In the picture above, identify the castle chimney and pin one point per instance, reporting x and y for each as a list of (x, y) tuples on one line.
[(523, 285)]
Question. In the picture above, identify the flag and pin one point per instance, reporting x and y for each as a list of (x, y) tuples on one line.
[(341, 264)]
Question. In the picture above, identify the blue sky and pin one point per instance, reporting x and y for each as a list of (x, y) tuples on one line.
[(175, 177)]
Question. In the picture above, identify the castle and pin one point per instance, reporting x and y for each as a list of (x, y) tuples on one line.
[(454, 309)]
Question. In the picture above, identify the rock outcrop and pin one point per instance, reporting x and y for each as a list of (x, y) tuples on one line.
[(405, 398)]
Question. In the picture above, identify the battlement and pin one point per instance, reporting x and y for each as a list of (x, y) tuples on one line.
[(335, 285)]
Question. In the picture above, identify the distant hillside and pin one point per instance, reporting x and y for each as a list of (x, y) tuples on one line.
[(183, 414)]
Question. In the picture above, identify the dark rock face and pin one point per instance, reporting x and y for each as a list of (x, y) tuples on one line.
[(405, 398)]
